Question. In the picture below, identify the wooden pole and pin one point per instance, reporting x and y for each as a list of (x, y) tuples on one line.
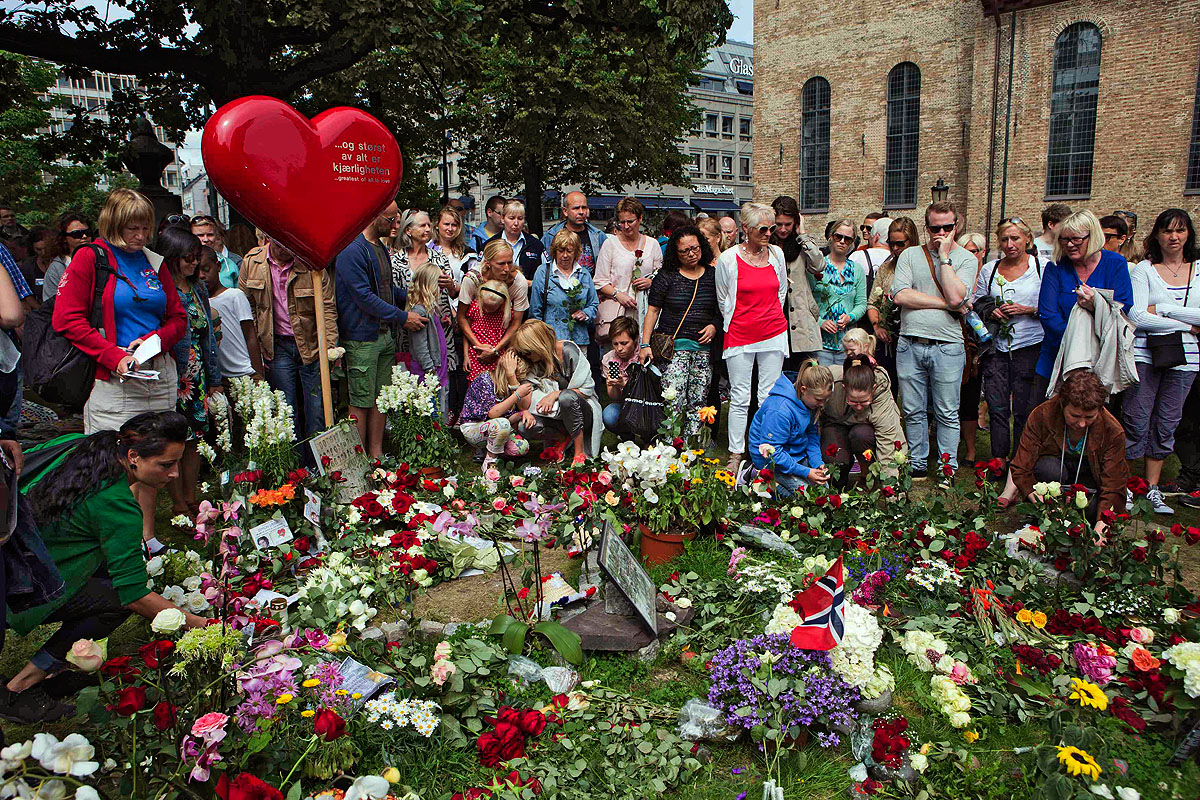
[(322, 347)]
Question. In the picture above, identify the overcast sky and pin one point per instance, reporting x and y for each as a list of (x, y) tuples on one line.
[(743, 25)]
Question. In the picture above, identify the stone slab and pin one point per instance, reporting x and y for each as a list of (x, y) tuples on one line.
[(600, 630)]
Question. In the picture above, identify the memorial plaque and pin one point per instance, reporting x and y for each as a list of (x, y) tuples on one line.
[(342, 447), (627, 574)]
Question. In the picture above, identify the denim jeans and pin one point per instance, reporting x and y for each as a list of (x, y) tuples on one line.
[(93, 612), (830, 358), (930, 371), (786, 485), (612, 412), (287, 373)]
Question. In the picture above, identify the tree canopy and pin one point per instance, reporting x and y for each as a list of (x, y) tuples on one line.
[(535, 92)]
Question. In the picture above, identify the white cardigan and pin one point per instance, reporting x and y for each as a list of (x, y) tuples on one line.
[(727, 278)]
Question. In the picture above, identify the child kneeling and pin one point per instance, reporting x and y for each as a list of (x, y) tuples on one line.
[(784, 435), (488, 419)]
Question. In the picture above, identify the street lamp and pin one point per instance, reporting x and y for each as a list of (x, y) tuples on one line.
[(939, 191)]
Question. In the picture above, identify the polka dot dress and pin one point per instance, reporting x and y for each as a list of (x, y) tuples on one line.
[(489, 330)]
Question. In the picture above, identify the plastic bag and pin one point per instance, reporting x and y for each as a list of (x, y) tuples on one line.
[(698, 720), (642, 403)]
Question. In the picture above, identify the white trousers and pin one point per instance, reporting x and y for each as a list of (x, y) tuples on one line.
[(741, 370)]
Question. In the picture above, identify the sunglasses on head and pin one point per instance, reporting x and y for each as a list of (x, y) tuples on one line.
[(178, 219), (941, 228), (1013, 220)]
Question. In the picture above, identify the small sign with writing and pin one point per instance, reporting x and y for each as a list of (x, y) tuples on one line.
[(312, 508), (271, 533), (359, 679), (340, 450), (628, 575)]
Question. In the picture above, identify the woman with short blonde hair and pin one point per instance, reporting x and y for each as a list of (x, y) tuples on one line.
[(563, 294), (751, 287), (141, 300), (1081, 266)]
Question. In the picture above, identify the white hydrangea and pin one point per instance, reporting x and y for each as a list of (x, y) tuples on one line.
[(783, 620), (1186, 656), (854, 658), (882, 681)]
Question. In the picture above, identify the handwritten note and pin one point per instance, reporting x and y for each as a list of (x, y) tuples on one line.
[(339, 449)]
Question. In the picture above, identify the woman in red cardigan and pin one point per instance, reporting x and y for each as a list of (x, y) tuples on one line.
[(138, 301)]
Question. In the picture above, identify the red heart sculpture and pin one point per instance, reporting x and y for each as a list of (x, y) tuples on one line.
[(313, 185)]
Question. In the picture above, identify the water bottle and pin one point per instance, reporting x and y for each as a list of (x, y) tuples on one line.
[(977, 326)]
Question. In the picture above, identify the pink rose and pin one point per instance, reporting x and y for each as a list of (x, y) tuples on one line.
[(605, 478), (499, 504), (441, 671), (961, 674), (1141, 635), (492, 474), (517, 480), (88, 655), (209, 724)]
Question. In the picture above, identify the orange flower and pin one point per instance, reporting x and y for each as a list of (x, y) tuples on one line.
[(708, 414), (1143, 661)]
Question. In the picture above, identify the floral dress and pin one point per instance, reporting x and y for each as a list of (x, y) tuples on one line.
[(193, 382), (838, 292)]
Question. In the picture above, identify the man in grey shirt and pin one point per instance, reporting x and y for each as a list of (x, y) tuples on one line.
[(931, 354)]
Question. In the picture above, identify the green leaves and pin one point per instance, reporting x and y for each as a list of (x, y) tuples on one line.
[(512, 633)]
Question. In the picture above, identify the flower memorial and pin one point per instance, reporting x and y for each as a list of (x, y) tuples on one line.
[(351, 654)]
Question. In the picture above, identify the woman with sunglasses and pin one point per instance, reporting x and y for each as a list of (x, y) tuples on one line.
[(195, 357), (74, 231), (1081, 266), (882, 313), (840, 291), (751, 287), (1013, 282), (139, 301)]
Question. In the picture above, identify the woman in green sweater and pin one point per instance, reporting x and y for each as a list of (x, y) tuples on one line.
[(840, 291), (92, 527)]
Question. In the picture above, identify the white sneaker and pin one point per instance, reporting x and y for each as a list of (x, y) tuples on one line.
[(1155, 496), (1128, 500)]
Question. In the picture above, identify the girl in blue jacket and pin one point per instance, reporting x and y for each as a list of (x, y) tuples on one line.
[(784, 433)]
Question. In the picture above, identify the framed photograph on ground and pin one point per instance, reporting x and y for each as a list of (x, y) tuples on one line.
[(626, 573)]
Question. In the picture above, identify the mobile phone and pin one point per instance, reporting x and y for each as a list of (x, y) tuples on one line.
[(614, 371)]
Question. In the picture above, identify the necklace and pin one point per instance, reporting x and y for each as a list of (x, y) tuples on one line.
[(1174, 272), (750, 255)]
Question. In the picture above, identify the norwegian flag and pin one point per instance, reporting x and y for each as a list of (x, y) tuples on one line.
[(822, 606)]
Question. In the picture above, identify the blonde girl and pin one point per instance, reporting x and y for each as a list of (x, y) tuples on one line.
[(428, 345), (493, 402), (858, 342), (784, 435), (488, 317)]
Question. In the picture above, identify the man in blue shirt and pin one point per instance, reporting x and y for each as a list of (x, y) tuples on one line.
[(493, 223), (367, 310)]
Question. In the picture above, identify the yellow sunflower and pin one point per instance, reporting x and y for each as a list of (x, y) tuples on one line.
[(1088, 694), (1024, 616), (1079, 762)]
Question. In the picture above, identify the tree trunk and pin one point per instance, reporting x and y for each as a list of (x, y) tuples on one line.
[(533, 194)]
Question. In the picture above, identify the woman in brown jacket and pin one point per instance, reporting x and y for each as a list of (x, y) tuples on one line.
[(1071, 438)]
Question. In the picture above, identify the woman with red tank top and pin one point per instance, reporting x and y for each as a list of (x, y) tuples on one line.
[(751, 286)]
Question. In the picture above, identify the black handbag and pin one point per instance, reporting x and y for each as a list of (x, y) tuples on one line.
[(1166, 349)]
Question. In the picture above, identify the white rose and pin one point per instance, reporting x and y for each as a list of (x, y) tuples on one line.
[(192, 584), (669, 394), (154, 567), (173, 594), (1170, 616), (683, 602), (1128, 793), (168, 621), (195, 602), (918, 762), (419, 575), (858, 773), (86, 793)]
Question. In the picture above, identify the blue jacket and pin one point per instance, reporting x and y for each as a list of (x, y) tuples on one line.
[(532, 254), (595, 236), (548, 302), (784, 422), (1057, 298), (361, 311), (479, 237), (208, 347)]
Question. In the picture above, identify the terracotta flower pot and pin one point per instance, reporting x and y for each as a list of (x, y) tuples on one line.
[(433, 473), (659, 548)]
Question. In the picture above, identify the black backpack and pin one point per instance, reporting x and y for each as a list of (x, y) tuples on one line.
[(53, 367)]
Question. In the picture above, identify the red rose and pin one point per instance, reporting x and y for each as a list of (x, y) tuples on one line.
[(831, 451), (325, 461), (131, 700), (1139, 554), (889, 491), (637, 253), (164, 715), (1193, 535), (512, 741), (246, 787), (329, 725), (489, 749), (302, 544), (152, 652), (835, 500), (523, 592), (531, 722), (118, 668), (1137, 485), (559, 701)]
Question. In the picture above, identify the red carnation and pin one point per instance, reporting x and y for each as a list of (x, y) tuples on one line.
[(329, 725), (246, 787), (131, 700), (164, 715), (152, 652)]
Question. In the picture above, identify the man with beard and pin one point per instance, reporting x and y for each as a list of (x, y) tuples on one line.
[(804, 259)]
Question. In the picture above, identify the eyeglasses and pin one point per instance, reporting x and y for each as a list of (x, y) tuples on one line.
[(767, 228), (1075, 240), (624, 222), (900, 243), (79, 234), (941, 228), (689, 250), (841, 237), (390, 220)]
